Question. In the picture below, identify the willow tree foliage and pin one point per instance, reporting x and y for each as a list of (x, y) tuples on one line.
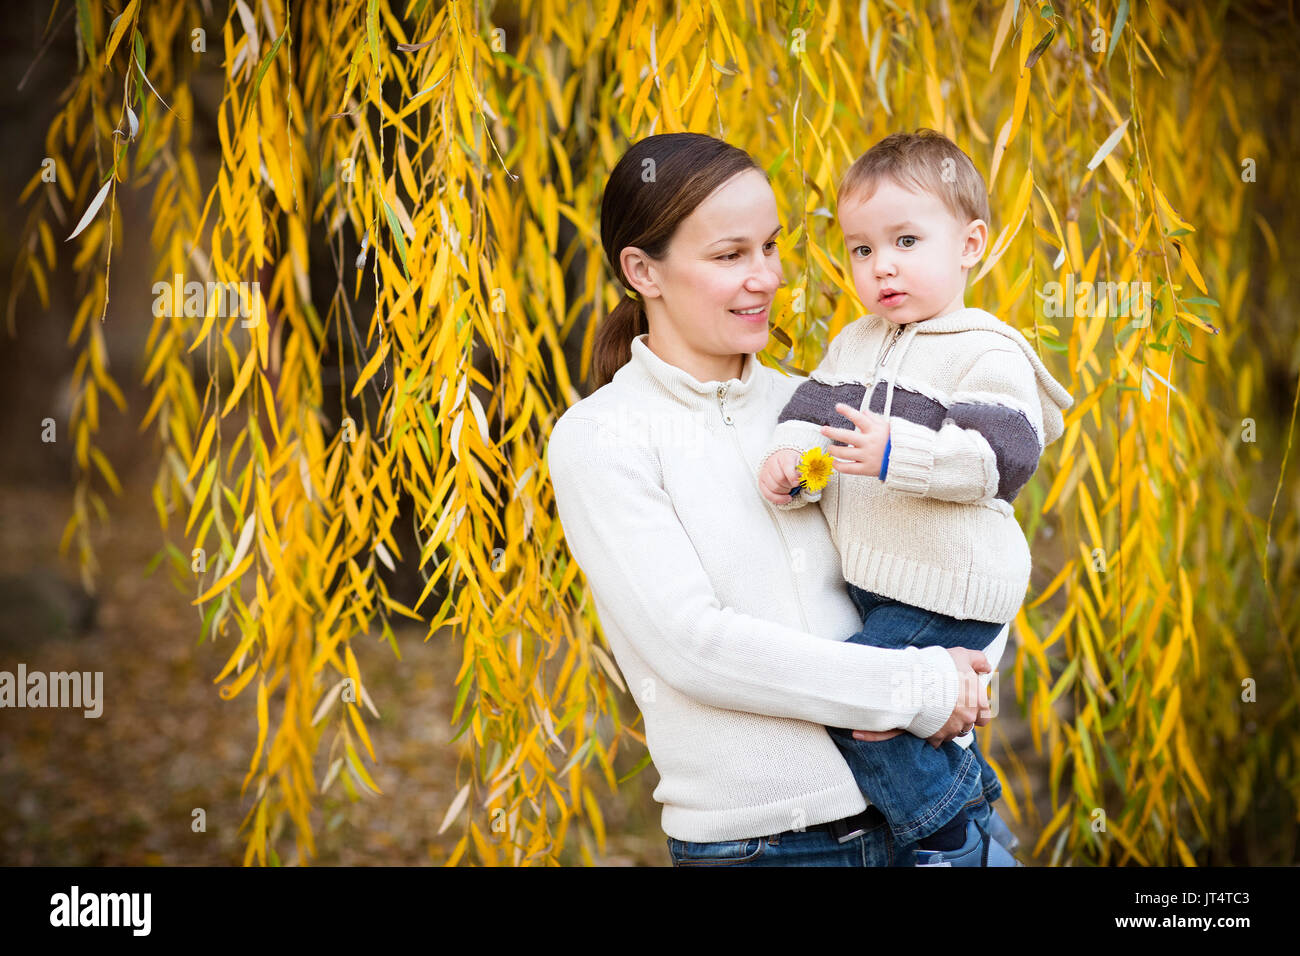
[(404, 202)]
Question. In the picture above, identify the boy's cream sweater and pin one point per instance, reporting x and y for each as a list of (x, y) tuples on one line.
[(970, 408)]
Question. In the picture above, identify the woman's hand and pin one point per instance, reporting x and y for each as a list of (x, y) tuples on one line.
[(972, 708)]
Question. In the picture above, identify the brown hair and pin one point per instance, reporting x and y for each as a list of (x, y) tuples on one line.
[(927, 161), (656, 184)]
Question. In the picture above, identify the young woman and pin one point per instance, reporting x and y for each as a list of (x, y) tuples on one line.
[(726, 616)]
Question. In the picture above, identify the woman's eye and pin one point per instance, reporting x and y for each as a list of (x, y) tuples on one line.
[(909, 240), (729, 255), (772, 243)]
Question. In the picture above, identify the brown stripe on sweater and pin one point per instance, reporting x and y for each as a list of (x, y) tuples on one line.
[(814, 402), (1007, 430), (1010, 435)]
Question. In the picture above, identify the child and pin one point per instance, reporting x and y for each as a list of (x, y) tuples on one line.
[(953, 409)]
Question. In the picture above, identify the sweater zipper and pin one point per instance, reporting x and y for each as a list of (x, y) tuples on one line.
[(898, 333), (728, 419), (875, 375)]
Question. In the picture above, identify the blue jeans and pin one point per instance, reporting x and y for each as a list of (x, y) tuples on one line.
[(876, 847), (918, 788)]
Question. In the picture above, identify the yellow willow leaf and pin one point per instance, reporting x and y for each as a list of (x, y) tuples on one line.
[(231, 690), (1022, 83), (720, 22), (106, 470), (269, 398), (226, 579), (1004, 25), (371, 367), (241, 383), (201, 496), (595, 816), (1168, 210), (1190, 265), (1074, 245), (1051, 212), (263, 723), (1188, 764), (1185, 603), (1017, 217), (686, 29), (1057, 581), (124, 21), (1053, 825), (453, 811), (357, 722), (358, 768), (1167, 722), (401, 609), (1117, 172), (350, 665), (1169, 660), (1091, 336), (1197, 321)]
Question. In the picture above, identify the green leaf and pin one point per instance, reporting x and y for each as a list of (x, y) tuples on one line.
[(394, 225), (84, 24), (1120, 16), (640, 765), (266, 63)]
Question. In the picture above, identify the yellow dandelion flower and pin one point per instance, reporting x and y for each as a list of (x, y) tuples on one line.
[(815, 469)]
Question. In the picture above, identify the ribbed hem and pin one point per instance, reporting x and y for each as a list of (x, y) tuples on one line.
[(742, 823), (911, 457), (963, 594)]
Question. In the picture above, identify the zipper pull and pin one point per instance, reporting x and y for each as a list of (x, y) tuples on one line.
[(726, 415), (898, 331)]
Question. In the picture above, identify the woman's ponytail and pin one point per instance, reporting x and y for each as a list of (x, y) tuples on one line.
[(613, 346)]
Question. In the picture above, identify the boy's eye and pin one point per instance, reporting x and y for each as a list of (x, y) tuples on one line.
[(909, 240), (868, 248)]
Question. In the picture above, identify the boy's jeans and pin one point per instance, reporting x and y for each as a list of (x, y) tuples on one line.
[(917, 787)]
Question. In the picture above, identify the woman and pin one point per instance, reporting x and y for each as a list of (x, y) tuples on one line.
[(726, 616)]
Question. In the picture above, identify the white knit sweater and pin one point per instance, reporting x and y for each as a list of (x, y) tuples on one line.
[(726, 616), (971, 408)]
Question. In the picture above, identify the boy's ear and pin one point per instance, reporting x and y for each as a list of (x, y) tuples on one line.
[(976, 242)]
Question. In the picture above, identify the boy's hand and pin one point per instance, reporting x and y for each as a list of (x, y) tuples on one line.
[(779, 475), (865, 446)]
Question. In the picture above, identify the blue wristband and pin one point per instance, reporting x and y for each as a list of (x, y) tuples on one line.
[(884, 461)]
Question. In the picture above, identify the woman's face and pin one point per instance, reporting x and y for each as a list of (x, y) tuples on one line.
[(721, 264)]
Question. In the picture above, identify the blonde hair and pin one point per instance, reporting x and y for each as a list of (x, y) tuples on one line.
[(925, 161)]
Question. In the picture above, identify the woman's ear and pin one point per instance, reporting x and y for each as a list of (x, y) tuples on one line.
[(637, 270)]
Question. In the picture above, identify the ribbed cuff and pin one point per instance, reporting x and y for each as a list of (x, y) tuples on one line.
[(911, 466), (939, 693)]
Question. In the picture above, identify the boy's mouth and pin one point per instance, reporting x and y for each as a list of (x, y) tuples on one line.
[(890, 297)]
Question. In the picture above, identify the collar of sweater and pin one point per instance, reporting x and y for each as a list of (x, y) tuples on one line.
[(647, 370)]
